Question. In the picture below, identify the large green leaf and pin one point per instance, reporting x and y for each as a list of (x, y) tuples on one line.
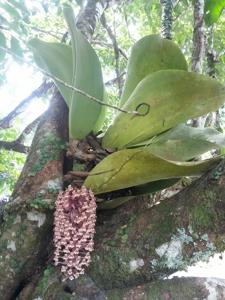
[(183, 143), (172, 97), (87, 76), (56, 59), (150, 54), (100, 121), (132, 167), (213, 10)]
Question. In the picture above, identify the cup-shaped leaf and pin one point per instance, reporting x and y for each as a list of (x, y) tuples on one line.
[(169, 97), (183, 142), (56, 59), (87, 76), (131, 167), (77, 66), (150, 54)]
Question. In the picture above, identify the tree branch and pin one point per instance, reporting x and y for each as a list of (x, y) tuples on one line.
[(18, 144), (90, 12), (116, 51), (166, 19), (213, 118), (84, 287), (198, 36), (198, 50), (177, 289), (103, 44), (114, 80), (52, 33), (211, 55), (28, 129), (6, 122), (14, 146)]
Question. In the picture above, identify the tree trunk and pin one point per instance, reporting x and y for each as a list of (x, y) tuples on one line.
[(174, 289), (198, 36), (166, 19), (198, 48), (50, 287), (26, 230)]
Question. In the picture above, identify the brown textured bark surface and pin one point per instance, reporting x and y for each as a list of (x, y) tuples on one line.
[(198, 50), (198, 36), (169, 289), (27, 228)]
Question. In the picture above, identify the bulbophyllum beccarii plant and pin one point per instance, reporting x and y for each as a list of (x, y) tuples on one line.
[(153, 147)]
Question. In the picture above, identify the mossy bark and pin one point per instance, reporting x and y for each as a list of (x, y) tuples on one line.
[(174, 289), (50, 287), (136, 244), (26, 231)]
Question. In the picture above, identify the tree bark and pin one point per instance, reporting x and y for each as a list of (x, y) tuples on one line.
[(26, 233), (50, 287), (6, 122), (213, 118), (90, 13), (198, 36), (166, 19), (174, 289), (14, 146), (211, 54), (198, 47)]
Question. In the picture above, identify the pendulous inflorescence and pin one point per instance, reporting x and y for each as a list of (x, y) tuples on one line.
[(74, 228)]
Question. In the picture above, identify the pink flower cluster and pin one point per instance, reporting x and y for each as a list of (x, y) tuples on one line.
[(75, 218)]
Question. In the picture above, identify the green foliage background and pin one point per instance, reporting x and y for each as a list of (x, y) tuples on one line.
[(11, 163)]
